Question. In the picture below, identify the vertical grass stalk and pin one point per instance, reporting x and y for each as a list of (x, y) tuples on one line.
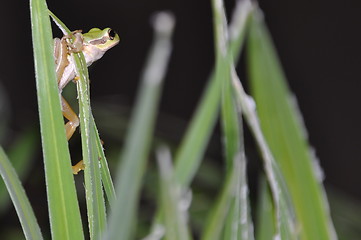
[(136, 149)]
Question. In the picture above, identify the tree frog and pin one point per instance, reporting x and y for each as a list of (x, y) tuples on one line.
[(93, 44)]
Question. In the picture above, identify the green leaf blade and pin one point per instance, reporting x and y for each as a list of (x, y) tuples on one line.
[(21, 153), (231, 211), (91, 147), (18, 196), (171, 198), (93, 185), (265, 220), (285, 136), (134, 157), (63, 206), (105, 172)]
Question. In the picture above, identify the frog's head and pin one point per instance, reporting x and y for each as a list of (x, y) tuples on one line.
[(97, 42), (101, 39)]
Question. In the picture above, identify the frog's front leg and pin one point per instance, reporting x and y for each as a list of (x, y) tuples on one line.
[(61, 54), (77, 45)]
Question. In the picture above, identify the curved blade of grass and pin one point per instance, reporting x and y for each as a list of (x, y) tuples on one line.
[(90, 141), (284, 212), (239, 224), (284, 217), (231, 196), (191, 150), (285, 135), (104, 169), (265, 216), (238, 27), (265, 220), (18, 196), (194, 143), (92, 149), (21, 153), (175, 217), (195, 140), (64, 211), (218, 214), (232, 127), (93, 185), (346, 212), (134, 157)]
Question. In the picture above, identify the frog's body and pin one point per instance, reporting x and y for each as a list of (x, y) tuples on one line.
[(93, 45)]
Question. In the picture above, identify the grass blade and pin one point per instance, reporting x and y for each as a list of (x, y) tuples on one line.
[(284, 217), (265, 216), (20, 154), (218, 215), (63, 205), (232, 127), (91, 147), (174, 210), (191, 150), (285, 135), (195, 140), (238, 28), (231, 197), (239, 224), (105, 173), (133, 159), (93, 185), (265, 220), (275, 179), (18, 196), (346, 212)]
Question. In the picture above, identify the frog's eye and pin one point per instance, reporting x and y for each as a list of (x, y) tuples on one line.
[(111, 34)]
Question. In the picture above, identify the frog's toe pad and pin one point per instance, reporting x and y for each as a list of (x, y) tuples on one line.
[(78, 167)]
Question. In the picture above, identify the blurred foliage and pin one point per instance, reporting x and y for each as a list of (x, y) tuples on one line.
[(213, 186)]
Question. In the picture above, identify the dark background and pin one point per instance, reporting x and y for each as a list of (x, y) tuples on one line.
[(318, 43)]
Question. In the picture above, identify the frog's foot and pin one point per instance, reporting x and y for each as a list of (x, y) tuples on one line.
[(78, 167), (76, 78), (77, 45)]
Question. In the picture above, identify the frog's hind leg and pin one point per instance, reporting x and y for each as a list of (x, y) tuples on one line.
[(70, 128), (69, 114)]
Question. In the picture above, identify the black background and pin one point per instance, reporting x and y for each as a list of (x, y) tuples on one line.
[(318, 44)]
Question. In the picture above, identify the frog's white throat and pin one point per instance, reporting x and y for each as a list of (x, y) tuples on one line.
[(92, 54)]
